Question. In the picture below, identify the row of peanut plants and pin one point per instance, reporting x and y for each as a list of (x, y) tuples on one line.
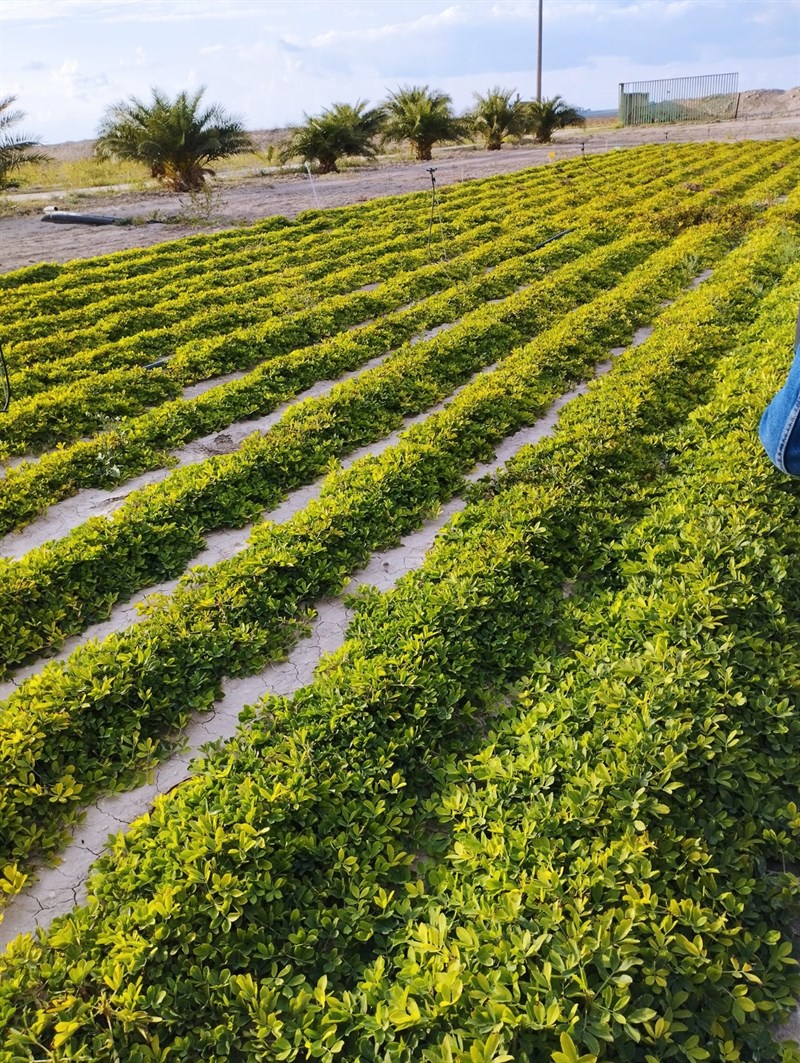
[(177, 268), (116, 316), (58, 281), (357, 241), (63, 412), (139, 444), (400, 865), (406, 215), (83, 282), (69, 731), (61, 587)]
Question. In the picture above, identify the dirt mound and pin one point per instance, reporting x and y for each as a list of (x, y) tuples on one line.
[(70, 150), (763, 102), (265, 138)]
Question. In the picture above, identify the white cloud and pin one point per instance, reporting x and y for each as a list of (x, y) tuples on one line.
[(140, 11), (272, 60), (133, 61), (424, 24), (69, 82)]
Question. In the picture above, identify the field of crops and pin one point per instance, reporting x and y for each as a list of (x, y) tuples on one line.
[(541, 799)]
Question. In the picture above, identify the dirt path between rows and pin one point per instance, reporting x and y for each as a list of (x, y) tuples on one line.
[(236, 201)]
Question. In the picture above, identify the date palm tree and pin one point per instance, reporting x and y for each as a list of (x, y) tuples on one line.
[(175, 139), (548, 115), (15, 151), (496, 117), (421, 116), (341, 130)]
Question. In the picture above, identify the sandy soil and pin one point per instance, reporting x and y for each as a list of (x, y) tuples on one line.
[(240, 200)]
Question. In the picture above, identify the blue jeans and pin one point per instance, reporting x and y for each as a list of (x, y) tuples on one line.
[(780, 424)]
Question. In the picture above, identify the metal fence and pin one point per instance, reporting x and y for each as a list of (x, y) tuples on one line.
[(708, 98)]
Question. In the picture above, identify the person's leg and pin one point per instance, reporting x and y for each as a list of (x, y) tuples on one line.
[(780, 426)]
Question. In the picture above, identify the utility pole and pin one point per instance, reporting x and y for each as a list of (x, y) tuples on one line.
[(539, 58)]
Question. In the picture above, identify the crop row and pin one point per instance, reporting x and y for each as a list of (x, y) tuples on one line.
[(80, 282), (462, 207), (162, 329), (365, 873), (88, 463), (277, 290), (64, 413), (170, 425), (623, 811), (245, 305), (125, 313), (115, 315), (179, 266), (73, 727), (62, 586), (118, 314), (54, 416), (112, 457), (242, 350), (83, 282)]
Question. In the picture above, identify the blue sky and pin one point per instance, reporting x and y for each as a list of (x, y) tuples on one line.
[(269, 61)]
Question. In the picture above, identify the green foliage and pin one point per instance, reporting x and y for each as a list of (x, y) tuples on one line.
[(175, 139), (497, 118), (15, 150), (502, 823), (341, 130), (231, 490), (422, 116), (132, 339), (548, 115), (489, 409)]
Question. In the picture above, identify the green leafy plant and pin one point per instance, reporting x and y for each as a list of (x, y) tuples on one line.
[(286, 565), (341, 130), (423, 117), (502, 823), (548, 115), (175, 139), (15, 149)]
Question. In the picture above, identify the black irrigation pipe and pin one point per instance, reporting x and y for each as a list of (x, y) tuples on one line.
[(6, 382), (551, 239), (68, 217), (586, 160), (436, 206)]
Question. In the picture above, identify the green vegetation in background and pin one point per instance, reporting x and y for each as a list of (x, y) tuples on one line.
[(174, 139), (16, 149)]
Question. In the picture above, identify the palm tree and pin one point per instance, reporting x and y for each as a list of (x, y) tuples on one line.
[(422, 117), (497, 118), (548, 115), (173, 138), (15, 151), (342, 129)]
